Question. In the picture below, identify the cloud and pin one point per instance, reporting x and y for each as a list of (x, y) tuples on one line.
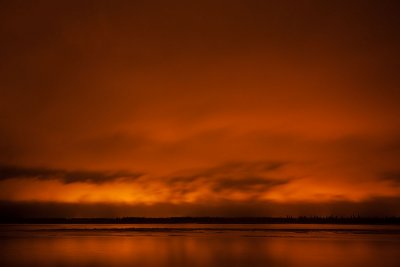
[(65, 176), (253, 184), (252, 178), (238, 168), (391, 176)]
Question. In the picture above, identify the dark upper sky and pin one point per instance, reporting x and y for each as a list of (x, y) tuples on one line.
[(199, 107)]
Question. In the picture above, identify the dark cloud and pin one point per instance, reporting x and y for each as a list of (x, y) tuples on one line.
[(66, 176), (232, 169), (392, 176), (253, 184), (249, 177)]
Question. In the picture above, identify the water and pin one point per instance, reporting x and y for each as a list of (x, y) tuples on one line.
[(199, 245)]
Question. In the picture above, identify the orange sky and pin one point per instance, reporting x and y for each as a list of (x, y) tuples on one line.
[(169, 108)]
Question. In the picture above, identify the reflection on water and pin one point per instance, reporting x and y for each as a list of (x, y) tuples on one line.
[(121, 245)]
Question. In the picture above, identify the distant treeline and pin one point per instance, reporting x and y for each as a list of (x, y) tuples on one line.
[(207, 220)]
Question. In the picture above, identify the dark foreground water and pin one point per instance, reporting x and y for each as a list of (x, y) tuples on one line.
[(199, 245)]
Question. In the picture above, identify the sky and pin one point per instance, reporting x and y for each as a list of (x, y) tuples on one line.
[(199, 108)]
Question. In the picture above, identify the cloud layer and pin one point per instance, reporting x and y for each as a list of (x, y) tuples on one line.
[(200, 103), (65, 176)]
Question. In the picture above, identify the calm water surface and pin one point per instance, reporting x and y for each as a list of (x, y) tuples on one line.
[(199, 245)]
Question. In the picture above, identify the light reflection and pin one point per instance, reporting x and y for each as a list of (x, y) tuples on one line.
[(198, 249)]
